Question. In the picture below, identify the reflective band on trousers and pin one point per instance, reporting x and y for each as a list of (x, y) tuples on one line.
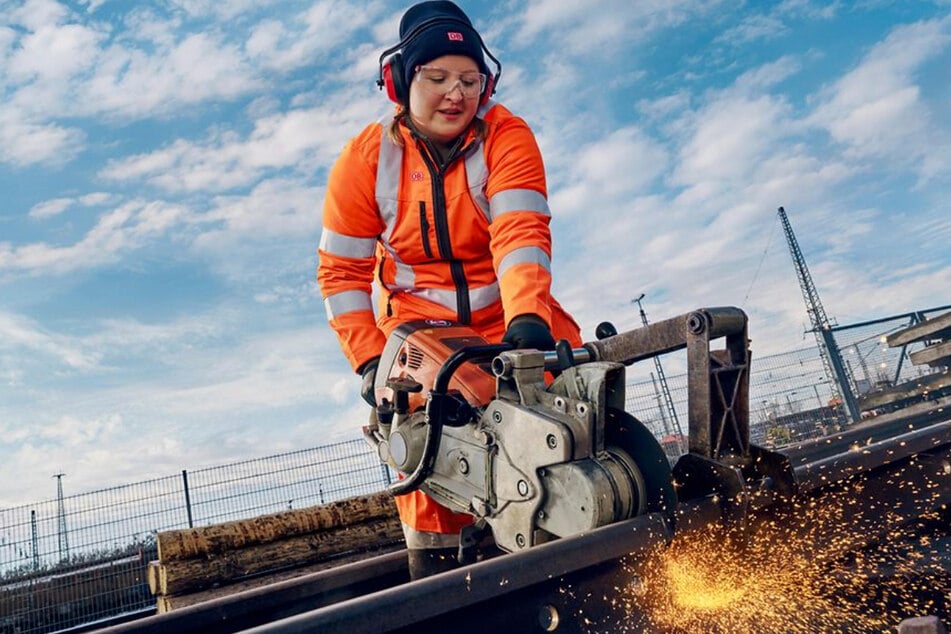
[(425, 539)]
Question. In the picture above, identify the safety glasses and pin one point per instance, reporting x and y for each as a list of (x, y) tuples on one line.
[(441, 82)]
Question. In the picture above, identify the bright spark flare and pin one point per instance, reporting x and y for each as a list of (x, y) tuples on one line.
[(837, 563)]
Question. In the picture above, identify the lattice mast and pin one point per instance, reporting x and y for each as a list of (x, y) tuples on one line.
[(665, 390), (821, 326), (61, 519)]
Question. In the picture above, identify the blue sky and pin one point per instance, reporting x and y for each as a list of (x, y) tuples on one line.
[(162, 166)]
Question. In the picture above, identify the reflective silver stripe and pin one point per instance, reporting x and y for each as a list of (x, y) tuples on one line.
[(405, 278), (479, 298), (446, 299), (388, 182), (347, 302), (533, 255), (518, 200), (484, 296), (425, 539), (485, 109), (346, 246), (477, 175)]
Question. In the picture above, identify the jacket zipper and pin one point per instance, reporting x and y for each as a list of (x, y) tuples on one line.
[(443, 242), (424, 229), (379, 275)]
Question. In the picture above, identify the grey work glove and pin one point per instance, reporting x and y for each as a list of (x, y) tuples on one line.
[(369, 378), (529, 331)]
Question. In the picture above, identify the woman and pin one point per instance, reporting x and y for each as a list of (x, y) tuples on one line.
[(446, 205)]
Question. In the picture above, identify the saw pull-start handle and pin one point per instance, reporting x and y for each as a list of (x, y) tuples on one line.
[(436, 407), (402, 388)]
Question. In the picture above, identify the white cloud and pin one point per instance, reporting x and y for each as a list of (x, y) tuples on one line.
[(728, 137), (274, 208), (313, 34), (823, 10), (93, 452), (201, 67), (54, 53), (768, 75), (301, 139), (25, 141), (23, 339), (752, 28), (143, 27), (877, 111), (56, 206), (50, 208), (611, 170), (92, 5), (115, 341), (265, 372), (664, 107), (221, 10), (69, 65), (123, 229), (63, 67), (601, 28), (36, 14), (73, 432), (8, 38), (95, 198), (271, 378)]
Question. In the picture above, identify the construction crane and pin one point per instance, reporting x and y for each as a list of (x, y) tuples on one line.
[(841, 383)]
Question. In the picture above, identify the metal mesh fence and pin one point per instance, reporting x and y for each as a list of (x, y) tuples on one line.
[(791, 398), (870, 362), (277, 483), (83, 558)]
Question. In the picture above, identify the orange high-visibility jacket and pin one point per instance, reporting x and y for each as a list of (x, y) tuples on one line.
[(467, 242)]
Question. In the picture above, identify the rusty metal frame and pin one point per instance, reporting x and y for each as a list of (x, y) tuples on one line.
[(717, 381)]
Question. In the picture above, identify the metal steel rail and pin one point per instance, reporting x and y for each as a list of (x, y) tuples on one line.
[(373, 595)]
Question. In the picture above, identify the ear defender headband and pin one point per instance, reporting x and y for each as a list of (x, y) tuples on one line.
[(392, 79)]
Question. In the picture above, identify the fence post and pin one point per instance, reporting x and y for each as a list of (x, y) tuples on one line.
[(387, 480), (188, 500), (36, 541)]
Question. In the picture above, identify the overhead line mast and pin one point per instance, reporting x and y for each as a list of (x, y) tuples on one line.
[(831, 358), (665, 390)]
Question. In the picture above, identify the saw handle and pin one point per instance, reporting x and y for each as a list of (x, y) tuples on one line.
[(439, 399), (435, 407)]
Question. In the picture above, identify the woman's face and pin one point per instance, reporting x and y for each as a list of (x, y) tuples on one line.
[(442, 116)]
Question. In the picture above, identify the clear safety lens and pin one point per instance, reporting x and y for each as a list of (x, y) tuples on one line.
[(439, 81)]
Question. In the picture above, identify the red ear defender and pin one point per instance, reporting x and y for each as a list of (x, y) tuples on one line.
[(489, 89), (391, 79)]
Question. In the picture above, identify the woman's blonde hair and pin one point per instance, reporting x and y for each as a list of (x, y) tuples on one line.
[(478, 125)]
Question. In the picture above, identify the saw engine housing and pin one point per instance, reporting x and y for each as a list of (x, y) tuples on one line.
[(477, 427)]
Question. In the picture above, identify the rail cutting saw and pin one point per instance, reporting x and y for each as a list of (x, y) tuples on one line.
[(481, 428)]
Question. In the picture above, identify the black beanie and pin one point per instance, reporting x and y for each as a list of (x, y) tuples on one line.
[(451, 34)]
